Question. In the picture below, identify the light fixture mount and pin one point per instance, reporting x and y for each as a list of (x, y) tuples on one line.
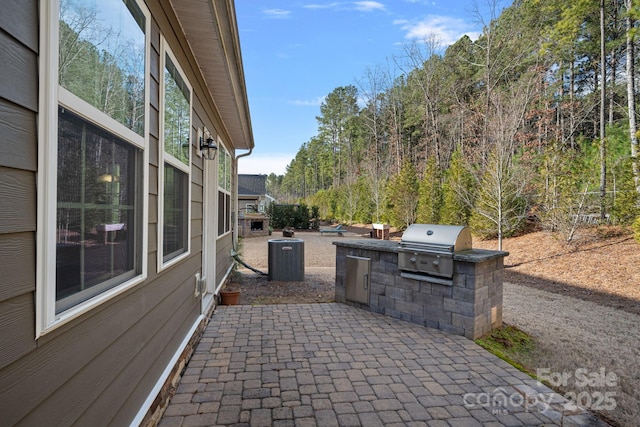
[(208, 146)]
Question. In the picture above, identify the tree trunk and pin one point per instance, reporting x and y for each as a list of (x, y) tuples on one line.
[(603, 101), (631, 101), (614, 65)]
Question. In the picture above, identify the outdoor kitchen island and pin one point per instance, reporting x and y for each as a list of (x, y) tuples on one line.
[(467, 303)]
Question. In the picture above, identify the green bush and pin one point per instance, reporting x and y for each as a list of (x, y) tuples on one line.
[(625, 203), (296, 216), (636, 229)]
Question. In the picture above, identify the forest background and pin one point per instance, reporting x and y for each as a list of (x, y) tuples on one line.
[(534, 120)]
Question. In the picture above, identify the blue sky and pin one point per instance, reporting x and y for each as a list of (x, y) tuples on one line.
[(297, 52)]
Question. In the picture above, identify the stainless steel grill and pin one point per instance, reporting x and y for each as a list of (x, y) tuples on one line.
[(429, 248)]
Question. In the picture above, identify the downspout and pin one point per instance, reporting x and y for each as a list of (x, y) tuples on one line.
[(248, 153), (235, 232)]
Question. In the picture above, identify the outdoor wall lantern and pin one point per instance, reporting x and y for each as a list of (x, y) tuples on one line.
[(208, 146)]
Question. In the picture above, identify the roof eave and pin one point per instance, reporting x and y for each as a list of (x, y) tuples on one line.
[(211, 30)]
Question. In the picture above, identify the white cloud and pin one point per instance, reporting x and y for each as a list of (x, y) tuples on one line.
[(277, 13), (266, 163), (363, 6), (367, 6), (446, 29), (322, 6), (309, 103)]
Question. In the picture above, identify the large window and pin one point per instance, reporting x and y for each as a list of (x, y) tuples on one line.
[(97, 213), (176, 157), (224, 190), (92, 185)]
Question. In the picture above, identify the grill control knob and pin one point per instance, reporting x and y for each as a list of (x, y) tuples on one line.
[(436, 263), (413, 260)]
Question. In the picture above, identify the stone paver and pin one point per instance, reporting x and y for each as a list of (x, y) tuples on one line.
[(336, 365)]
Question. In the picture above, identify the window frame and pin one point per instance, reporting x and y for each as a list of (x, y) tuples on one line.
[(167, 158), (224, 181), (51, 96)]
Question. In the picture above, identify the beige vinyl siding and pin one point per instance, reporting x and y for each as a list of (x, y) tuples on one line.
[(223, 259), (18, 130), (18, 166), (19, 63)]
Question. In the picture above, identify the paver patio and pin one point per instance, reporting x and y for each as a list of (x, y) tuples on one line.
[(336, 365)]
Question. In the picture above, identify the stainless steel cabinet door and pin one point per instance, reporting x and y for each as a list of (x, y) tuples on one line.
[(357, 280)]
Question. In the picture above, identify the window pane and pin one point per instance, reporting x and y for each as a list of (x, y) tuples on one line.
[(221, 166), (176, 113), (228, 171), (227, 213), (101, 57), (175, 211), (97, 214), (221, 209)]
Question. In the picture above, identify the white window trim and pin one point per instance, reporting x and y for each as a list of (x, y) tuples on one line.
[(50, 96), (171, 160), (224, 190)]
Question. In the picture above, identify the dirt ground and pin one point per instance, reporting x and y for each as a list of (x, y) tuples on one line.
[(580, 302)]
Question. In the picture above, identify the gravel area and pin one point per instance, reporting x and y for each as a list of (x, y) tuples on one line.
[(588, 337)]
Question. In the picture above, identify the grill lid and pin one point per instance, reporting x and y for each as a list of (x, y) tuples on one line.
[(437, 237)]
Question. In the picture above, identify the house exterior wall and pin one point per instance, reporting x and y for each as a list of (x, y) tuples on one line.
[(101, 367), (248, 204)]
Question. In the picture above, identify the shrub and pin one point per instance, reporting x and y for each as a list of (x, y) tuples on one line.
[(636, 229), (296, 216)]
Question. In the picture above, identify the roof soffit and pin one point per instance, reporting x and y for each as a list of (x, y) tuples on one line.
[(210, 28)]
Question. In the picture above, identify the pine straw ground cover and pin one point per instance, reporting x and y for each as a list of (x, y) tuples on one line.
[(579, 303), (602, 264)]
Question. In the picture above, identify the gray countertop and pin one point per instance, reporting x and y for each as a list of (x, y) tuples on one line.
[(471, 255)]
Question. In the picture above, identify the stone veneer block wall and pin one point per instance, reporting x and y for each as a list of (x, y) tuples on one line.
[(244, 225), (469, 304)]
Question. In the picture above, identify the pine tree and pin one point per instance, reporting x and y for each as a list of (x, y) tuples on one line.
[(402, 196), (456, 192), (430, 200)]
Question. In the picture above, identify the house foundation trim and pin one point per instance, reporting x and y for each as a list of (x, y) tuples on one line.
[(158, 399)]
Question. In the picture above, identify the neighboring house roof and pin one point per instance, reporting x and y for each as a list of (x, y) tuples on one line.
[(217, 52), (252, 185)]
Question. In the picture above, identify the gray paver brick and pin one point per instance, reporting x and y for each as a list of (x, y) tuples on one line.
[(199, 420), (321, 403), (229, 415), (464, 422), (170, 421), (326, 417), (260, 418), (417, 412), (389, 417), (302, 411), (383, 391), (271, 402), (282, 413), (343, 384), (370, 419), (437, 423), (438, 412), (343, 396), (306, 422), (182, 409), (387, 405), (348, 420), (290, 395)]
